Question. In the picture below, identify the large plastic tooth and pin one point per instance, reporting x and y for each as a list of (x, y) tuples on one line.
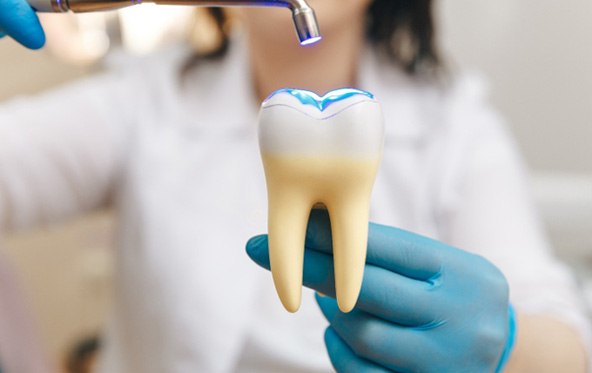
[(319, 151)]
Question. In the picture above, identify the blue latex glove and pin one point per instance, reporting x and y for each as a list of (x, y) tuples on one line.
[(19, 21), (424, 306)]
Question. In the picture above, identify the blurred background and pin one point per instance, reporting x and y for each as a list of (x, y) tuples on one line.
[(536, 54)]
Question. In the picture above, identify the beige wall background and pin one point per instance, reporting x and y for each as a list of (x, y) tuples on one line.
[(537, 55)]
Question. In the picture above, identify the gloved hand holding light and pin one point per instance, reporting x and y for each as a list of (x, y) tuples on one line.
[(18, 14)]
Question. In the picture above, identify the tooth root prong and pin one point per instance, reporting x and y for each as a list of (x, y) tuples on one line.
[(288, 217), (349, 226)]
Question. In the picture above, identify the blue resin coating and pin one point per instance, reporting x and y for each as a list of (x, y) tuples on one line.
[(321, 103)]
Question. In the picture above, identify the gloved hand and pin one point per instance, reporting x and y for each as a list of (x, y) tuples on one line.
[(424, 306), (19, 21)]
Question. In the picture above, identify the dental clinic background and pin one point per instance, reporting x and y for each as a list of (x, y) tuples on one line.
[(535, 54)]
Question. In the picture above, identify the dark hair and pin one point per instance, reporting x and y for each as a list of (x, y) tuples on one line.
[(403, 30)]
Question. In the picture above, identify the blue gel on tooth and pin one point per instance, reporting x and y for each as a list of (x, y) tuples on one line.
[(321, 103)]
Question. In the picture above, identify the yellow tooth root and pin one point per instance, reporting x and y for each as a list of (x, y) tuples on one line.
[(349, 225), (295, 184), (288, 216)]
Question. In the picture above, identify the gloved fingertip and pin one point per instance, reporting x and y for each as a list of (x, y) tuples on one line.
[(257, 250), (34, 38), (328, 306), (20, 22), (37, 42), (33, 44), (256, 241), (330, 336)]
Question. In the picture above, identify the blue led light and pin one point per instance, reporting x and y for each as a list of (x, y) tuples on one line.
[(311, 40), (321, 103)]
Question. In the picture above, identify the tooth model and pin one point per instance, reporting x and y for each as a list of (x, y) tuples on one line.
[(319, 151)]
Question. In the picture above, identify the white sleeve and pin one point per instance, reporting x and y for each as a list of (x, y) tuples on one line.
[(60, 151), (487, 209), (20, 346), (59, 155)]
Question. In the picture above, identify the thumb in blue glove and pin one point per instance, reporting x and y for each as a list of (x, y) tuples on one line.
[(424, 306), (19, 21)]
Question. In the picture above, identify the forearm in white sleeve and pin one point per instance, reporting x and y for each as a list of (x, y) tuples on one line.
[(59, 152), (20, 345), (59, 155)]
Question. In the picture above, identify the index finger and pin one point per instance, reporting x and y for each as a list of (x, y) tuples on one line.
[(18, 20), (394, 249)]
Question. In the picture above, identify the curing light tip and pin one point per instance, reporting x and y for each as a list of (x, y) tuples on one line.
[(311, 40)]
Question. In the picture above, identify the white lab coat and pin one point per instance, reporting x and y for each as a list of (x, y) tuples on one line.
[(179, 159)]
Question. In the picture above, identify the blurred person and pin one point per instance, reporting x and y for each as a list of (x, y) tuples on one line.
[(170, 142)]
